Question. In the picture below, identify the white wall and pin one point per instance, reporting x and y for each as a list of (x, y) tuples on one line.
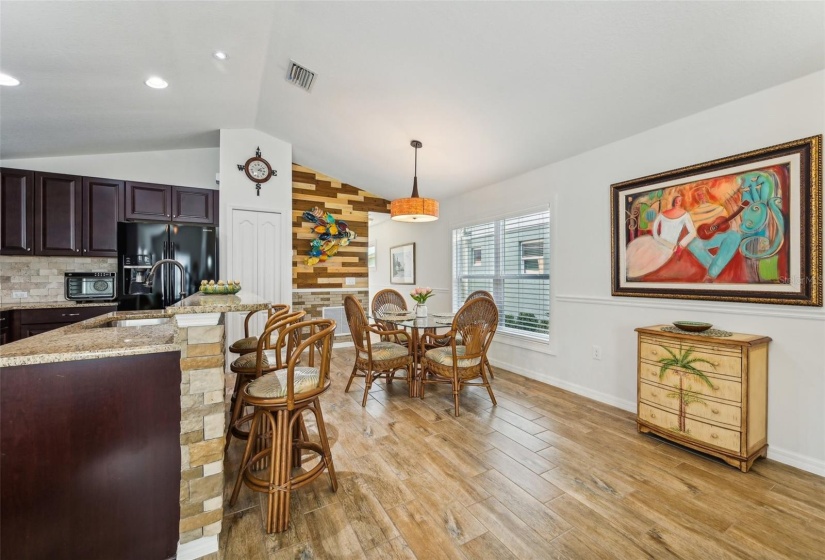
[(237, 191), (583, 311), (186, 168)]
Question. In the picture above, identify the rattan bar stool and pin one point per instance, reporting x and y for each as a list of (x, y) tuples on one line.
[(248, 343), (247, 367), (280, 398)]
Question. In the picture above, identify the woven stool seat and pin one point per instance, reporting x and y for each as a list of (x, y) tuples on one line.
[(244, 345), (250, 361), (274, 385)]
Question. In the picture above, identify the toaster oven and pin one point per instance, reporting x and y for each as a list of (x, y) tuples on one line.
[(87, 286)]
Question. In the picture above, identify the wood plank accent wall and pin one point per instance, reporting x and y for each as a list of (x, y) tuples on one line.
[(345, 202)]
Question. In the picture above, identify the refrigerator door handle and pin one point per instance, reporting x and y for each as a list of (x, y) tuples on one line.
[(163, 275)]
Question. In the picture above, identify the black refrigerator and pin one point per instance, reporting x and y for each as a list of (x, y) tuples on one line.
[(140, 245)]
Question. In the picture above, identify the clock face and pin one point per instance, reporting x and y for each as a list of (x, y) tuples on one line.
[(258, 170)]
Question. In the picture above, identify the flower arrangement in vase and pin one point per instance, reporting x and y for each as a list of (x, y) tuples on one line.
[(421, 295)]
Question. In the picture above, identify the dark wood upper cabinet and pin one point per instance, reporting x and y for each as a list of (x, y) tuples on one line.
[(148, 202), (190, 205), (57, 214), (102, 208), (16, 212)]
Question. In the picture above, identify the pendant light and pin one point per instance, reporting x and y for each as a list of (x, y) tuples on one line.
[(414, 208)]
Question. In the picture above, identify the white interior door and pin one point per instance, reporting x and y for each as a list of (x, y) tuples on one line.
[(255, 254)]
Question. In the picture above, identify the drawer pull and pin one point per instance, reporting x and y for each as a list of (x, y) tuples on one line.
[(654, 394), (653, 415), (70, 315), (714, 436), (714, 410), (715, 387), (654, 352)]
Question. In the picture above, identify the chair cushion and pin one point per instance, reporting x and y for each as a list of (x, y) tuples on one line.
[(248, 343), (388, 351), (444, 356), (273, 385), (248, 361)]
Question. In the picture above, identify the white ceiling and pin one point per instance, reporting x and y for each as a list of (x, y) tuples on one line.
[(492, 89)]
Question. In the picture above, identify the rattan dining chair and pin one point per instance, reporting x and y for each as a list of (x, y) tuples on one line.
[(479, 293), (443, 341), (280, 398), (459, 363), (375, 359), (388, 301)]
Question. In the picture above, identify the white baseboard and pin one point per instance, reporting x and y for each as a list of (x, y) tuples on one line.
[(779, 455), (605, 398), (197, 548), (802, 462)]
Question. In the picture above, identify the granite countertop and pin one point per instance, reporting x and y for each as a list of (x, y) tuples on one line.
[(224, 303), (52, 305), (86, 341)]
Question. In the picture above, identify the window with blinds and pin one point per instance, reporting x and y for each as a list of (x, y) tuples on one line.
[(510, 259)]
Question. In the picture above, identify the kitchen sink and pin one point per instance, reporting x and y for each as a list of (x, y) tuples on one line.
[(137, 322)]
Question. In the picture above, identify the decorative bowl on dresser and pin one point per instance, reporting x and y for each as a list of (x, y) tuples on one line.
[(708, 393)]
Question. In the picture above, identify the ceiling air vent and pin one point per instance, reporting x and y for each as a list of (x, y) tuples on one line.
[(300, 76)]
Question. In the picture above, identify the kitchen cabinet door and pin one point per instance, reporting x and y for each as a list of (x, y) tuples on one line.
[(101, 209), (148, 202), (192, 206), (16, 211), (57, 214)]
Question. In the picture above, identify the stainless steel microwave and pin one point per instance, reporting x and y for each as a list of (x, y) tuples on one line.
[(89, 285)]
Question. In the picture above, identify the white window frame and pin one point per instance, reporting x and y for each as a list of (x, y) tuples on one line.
[(514, 337)]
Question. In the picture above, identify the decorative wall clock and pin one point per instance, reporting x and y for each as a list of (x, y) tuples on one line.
[(258, 170)]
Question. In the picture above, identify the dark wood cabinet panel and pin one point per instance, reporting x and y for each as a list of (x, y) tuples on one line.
[(102, 208), (95, 472), (191, 205), (57, 214), (5, 327), (31, 322), (147, 201), (16, 211)]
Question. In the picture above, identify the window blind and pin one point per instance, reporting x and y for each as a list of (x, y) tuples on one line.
[(510, 259)]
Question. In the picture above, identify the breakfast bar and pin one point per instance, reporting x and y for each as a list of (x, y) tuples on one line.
[(121, 410)]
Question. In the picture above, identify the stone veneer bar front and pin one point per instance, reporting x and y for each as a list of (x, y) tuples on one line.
[(198, 334)]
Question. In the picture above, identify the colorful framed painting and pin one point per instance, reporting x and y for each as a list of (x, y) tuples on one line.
[(745, 228), (402, 264)]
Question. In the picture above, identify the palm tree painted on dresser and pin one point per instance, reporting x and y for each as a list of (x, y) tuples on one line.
[(683, 366)]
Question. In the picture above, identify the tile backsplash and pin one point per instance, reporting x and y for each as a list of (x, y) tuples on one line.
[(42, 277)]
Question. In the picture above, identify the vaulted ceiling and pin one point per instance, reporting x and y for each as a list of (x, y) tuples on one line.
[(492, 89)]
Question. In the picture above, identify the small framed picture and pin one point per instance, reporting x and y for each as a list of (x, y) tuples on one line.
[(402, 264)]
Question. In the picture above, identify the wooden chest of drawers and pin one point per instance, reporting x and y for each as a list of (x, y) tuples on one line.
[(706, 393)]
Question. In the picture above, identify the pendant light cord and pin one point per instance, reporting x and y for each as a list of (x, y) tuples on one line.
[(415, 173)]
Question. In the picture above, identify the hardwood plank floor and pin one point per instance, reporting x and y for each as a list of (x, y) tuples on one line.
[(546, 474)]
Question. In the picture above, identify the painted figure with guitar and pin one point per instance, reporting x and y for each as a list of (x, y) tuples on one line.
[(714, 230)]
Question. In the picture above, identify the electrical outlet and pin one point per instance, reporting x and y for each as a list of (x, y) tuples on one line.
[(20, 294), (350, 281), (597, 352)]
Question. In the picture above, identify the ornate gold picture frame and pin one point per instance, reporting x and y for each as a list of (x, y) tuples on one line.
[(744, 228)]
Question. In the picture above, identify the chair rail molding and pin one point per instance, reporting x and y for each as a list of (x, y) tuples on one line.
[(739, 309)]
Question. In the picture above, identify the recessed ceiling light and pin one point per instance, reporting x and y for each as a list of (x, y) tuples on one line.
[(220, 55), (6, 80), (156, 82)]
